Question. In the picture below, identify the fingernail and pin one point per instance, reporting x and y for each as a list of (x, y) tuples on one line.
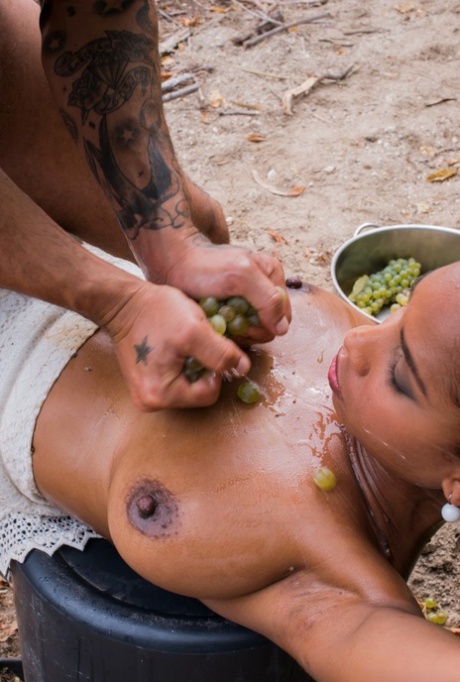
[(282, 326), (282, 292), (243, 366)]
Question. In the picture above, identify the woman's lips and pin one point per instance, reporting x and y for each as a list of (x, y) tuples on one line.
[(332, 376)]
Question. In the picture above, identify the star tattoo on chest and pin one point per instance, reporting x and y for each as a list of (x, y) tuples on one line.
[(142, 351)]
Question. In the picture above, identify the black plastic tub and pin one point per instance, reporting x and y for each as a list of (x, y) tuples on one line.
[(86, 616)]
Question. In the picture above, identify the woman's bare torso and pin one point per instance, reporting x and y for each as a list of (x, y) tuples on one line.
[(231, 486)]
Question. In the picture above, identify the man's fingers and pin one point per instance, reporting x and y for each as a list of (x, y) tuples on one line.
[(272, 305), (219, 354), (180, 393), (161, 381)]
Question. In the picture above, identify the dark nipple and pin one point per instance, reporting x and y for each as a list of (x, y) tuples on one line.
[(146, 506), (152, 509), (294, 282)]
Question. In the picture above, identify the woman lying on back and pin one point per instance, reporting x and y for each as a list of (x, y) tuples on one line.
[(221, 504)]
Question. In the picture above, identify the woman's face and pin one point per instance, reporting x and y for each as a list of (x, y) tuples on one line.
[(397, 385)]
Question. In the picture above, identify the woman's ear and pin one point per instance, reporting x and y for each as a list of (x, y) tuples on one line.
[(451, 487)]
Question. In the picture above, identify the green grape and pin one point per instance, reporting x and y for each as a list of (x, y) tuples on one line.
[(230, 317), (387, 287), (325, 479), (248, 393), (210, 305), (253, 319), (402, 298), (430, 603), (239, 304), (237, 326), (227, 312), (438, 617), (193, 370), (218, 323)]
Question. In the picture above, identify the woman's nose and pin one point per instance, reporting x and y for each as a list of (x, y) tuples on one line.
[(358, 344)]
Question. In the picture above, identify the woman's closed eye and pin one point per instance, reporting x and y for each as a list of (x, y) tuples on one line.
[(395, 380)]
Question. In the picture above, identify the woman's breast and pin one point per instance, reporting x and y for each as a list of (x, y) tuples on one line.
[(223, 513)]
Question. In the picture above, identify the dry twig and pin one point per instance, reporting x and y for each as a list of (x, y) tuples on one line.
[(168, 17), (303, 89), (237, 112), (307, 86), (182, 92), (263, 74), (175, 81), (259, 15), (168, 45), (258, 39), (363, 31)]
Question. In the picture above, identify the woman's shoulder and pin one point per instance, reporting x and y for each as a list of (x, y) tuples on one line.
[(313, 302)]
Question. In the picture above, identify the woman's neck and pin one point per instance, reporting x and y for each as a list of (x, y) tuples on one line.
[(402, 516)]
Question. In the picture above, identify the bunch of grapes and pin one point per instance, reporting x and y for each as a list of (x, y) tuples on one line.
[(230, 317), (388, 287)]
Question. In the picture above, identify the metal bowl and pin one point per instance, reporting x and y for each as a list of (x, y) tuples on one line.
[(369, 252)]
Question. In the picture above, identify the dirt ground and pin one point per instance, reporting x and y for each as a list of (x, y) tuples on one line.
[(297, 174)]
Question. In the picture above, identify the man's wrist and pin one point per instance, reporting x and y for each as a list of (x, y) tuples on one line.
[(160, 253), (101, 289)]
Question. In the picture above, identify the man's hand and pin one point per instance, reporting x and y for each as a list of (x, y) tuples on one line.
[(154, 331), (201, 269)]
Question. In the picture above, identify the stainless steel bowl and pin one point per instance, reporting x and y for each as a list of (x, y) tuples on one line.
[(369, 251)]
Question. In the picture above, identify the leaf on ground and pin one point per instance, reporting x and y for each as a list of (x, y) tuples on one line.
[(405, 8), (277, 237), (442, 174), (255, 137), (190, 21), (293, 192), (216, 100)]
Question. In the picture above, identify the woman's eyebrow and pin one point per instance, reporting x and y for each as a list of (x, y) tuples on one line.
[(410, 362)]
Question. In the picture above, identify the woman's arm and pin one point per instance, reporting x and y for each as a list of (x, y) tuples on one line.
[(339, 635)]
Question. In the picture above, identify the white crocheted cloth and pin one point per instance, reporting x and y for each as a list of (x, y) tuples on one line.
[(37, 340)]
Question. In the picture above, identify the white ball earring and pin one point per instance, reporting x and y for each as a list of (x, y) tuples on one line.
[(450, 512)]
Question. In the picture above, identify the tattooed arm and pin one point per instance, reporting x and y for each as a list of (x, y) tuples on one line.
[(102, 62), (40, 259)]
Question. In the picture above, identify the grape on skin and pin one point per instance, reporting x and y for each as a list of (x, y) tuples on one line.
[(388, 287), (248, 393), (325, 479)]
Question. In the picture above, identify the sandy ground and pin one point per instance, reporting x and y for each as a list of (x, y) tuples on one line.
[(297, 174)]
